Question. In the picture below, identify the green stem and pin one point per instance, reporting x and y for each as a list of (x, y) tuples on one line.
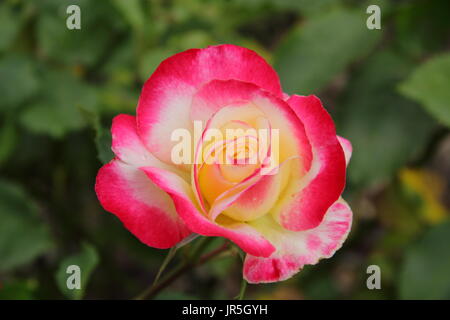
[(242, 290), (165, 263), (193, 261)]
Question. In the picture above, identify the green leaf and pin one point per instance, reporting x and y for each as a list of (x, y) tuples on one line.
[(425, 272), (103, 138), (87, 259), (103, 141), (58, 110), (17, 81), (304, 6), (86, 46), (430, 85), (18, 290), (170, 255), (418, 35), (386, 130), (9, 26), (8, 137), (132, 11), (321, 48), (23, 236)]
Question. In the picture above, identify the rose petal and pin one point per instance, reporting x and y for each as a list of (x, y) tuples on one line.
[(165, 100), (309, 197), (144, 209), (224, 97), (213, 172), (257, 200), (242, 234), (295, 249), (347, 147), (127, 145), (254, 196)]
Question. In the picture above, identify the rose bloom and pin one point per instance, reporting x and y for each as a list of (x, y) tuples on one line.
[(284, 219)]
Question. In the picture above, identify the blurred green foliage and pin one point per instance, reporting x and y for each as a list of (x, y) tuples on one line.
[(86, 260), (23, 236), (388, 91), (429, 85), (303, 63), (425, 272)]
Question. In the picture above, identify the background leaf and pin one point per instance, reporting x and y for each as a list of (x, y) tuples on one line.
[(132, 11), (305, 66), (425, 271), (18, 290), (8, 137), (11, 24), (430, 85), (58, 109), (387, 128), (23, 235), (99, 25), (87, 259), (18, 81)]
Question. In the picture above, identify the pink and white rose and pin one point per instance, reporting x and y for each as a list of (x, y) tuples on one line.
[(283, 219)]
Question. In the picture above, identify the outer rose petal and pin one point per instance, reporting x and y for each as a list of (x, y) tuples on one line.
[(295, 249), (347, 147), (250, 240), (166, 97), (315, 192), (127, 145), (144, 209)]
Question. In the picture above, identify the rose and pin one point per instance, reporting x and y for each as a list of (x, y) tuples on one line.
[(288, 217)]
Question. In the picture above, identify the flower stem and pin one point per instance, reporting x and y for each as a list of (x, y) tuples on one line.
[(242, 290), (194, 261), (166, 261)]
